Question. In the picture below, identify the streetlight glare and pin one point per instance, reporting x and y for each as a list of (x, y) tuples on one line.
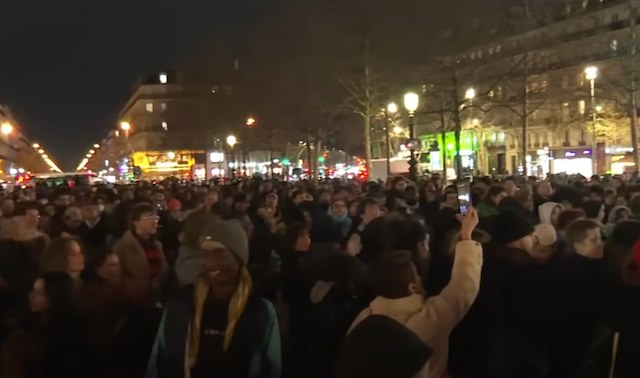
[(251, 121), (470, 94), (126, 126), (232, 141), (41, 151), (411, 101), (36, 146), (6, 128), (392, 108), (591, 72), (398, 130), (92, 151), (599, 108), (96, 145)]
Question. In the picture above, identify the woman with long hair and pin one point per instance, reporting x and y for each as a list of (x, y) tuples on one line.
[(64, 255), (46, 345)]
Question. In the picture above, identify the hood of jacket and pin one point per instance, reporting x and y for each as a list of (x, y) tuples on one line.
[(545, 211)]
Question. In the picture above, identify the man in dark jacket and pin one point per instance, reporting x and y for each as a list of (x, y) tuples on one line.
[(218, 327)]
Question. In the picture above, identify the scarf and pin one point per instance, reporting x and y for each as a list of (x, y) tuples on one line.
[(236, 307)]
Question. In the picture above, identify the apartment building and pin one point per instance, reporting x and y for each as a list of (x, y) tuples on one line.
[(573, 116)]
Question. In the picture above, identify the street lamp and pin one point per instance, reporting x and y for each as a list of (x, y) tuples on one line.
[(36, 146), (411, 102), (6, 128), (392, 108), (251, 121), (232, 141), (470, 94), (96, 146), (125, 126), (591, 74)]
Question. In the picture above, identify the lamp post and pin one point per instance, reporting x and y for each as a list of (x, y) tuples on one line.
[(391, 109), (232, 141), (411, 102), (591, 74)]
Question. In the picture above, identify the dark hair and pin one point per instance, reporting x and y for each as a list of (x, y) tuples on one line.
[(95, 259), (23, 207), (592, 208), (568, 216), (597, 189), (509, 178), (494, 191), (54, 258), (392, 273), (366, 202), (58, 288), (576, 231), (139, 210), (406, 234)]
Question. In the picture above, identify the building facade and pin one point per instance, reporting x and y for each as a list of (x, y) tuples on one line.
[(554, 97)]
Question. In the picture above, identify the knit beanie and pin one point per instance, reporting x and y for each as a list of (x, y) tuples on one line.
[(509, 226)]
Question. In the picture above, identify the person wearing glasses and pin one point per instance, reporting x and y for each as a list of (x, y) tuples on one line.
[(141, 254)]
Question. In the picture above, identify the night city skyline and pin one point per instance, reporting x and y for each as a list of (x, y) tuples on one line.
[(69, 66)]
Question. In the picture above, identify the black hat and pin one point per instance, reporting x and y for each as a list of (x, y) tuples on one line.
[(380, 347), (509, 226), (625, 233)]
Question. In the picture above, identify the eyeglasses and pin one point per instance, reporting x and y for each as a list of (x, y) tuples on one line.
[(154, 218)]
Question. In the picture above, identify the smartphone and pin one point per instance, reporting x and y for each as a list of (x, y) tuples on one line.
[(464, 196)]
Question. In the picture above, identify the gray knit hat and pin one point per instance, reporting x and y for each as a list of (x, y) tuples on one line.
[(225, 234)]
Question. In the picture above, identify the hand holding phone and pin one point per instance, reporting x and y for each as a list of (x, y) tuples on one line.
[(464, 196)]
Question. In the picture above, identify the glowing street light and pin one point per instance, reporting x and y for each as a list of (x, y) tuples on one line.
[(125, 126), (392, 108), (6, 128), (251, 121), (411, 103), (398, 130), (232, 141), (470, 94), (36, 146), (45, 156), (92, 151), (96, 146), (41, 151), (591, 72)]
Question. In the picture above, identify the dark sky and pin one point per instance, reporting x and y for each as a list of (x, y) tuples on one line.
[(67, 66)]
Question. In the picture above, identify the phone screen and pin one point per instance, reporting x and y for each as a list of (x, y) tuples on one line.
[(464, 196)]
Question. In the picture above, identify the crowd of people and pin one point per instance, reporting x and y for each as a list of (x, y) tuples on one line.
[(264, 278)]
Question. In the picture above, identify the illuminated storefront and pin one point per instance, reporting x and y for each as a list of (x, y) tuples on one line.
[(162, 164), (468, 151), (572, 161)]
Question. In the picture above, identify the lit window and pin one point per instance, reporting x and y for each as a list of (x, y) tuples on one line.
[(498, 48), (163, 106), (149, 107), (473, 56), (165, 126), (581, 107), (163, 78), (480, 54), (614, 45)]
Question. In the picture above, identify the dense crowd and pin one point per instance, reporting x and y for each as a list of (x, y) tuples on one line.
[(262, 278)]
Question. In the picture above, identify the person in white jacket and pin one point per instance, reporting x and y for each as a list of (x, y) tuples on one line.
[(431, 318)]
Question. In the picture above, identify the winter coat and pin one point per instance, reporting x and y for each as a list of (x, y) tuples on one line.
[(433, 319), (136, 275), (254, 351)]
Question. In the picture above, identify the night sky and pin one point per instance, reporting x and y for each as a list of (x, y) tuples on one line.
[(67, 66)]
